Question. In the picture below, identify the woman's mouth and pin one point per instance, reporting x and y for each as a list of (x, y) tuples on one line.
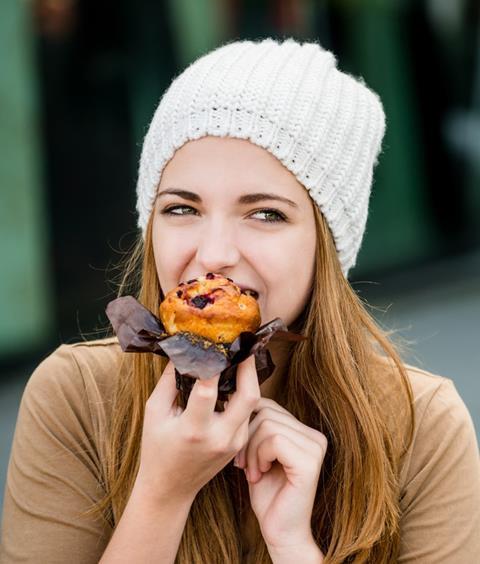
[(250, 292), (247, 290)]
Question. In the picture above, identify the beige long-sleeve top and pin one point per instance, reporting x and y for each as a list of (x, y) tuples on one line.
[(55, 468)]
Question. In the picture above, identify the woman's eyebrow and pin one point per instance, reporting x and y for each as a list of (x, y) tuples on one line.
[(185, 194), (245, 199), (260, 196)]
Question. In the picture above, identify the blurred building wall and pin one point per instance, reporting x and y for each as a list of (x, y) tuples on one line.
[(25, 271)]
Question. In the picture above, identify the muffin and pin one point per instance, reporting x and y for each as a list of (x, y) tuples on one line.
[(211, 306)]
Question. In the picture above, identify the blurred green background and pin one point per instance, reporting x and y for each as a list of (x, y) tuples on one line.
[(80, 81)]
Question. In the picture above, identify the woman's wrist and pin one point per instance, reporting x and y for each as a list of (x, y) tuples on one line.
[(150, 528), (308, 553), (153, 502)]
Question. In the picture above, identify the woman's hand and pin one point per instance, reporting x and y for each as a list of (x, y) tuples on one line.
[(182, 450), (282, 462)]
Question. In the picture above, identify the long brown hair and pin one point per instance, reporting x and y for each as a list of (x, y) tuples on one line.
[(347, 380)]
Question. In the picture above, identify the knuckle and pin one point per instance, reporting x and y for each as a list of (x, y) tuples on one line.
[(265, 424), (322, 444), (238, 444), (193, 436), (222, 446), (277, 440), (206, 393), (318, 434), (251, 400), (243, 437), (322, 439)]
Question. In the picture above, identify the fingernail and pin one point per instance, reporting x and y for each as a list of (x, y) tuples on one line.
[(235, 461)]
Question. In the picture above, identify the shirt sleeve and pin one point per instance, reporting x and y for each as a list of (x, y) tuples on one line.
[(54, 471), (441, 498)]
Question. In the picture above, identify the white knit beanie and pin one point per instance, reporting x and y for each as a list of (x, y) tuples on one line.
[(288, 97)]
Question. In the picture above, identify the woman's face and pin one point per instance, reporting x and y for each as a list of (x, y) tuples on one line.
[(227, 206)]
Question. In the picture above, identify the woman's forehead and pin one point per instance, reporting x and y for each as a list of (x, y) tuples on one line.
[(211, 163)]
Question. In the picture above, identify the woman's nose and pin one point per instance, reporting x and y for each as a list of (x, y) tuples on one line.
[(216, 249)]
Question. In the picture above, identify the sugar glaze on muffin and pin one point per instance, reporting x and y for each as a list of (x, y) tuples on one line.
[(211, 306)]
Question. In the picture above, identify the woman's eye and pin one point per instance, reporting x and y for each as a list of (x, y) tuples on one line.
[(270, 216), (266, 215), (179, 210)]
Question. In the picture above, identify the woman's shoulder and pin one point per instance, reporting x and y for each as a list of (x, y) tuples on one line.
[(440, 474), (75, 375), (437, 405), (439, 408), (58, 453), (424, 385), (437, 402), (99, 358), (443, 429)]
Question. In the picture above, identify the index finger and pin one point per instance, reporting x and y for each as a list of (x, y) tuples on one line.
[(246, 396)]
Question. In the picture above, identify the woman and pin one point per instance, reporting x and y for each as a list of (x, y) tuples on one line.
[(257, 165)]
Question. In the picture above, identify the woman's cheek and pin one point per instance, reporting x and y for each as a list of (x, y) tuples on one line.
[(172, 255), (288, 277), (278, 285)]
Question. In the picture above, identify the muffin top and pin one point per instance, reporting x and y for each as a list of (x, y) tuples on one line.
[(211, 306)]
